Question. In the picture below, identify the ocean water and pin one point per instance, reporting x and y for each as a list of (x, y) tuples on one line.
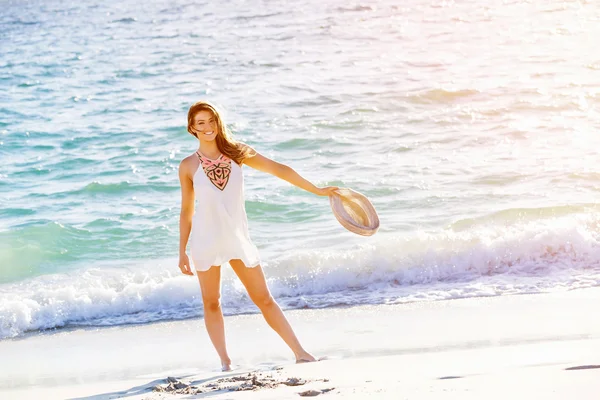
[(472, 127)]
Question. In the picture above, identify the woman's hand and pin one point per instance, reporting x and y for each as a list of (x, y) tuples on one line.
[(326, 191), (184, 264)]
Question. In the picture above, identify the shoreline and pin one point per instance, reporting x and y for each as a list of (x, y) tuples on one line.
[(416, 349)]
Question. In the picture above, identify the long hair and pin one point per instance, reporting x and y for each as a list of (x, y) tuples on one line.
[(231, 148)]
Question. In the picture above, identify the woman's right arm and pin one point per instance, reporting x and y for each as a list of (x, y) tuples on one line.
[(186, 214)]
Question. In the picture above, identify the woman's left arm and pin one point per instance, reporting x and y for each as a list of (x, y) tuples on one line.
[(282, 171)]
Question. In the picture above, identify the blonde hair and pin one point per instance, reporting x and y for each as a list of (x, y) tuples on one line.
[(231, 148)]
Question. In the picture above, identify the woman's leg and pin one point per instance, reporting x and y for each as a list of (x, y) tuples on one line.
[(210, 284), (254, 281)]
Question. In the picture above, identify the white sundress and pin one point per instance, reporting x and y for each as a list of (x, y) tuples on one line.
[(220, 224)]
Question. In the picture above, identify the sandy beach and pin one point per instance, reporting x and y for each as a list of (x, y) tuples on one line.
[(526, 346)]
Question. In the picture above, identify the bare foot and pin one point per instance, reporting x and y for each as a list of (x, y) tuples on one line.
[(304, 358), (226, 365), (226, 368)]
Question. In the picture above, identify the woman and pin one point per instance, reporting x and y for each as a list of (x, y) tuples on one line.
[(219, 227)]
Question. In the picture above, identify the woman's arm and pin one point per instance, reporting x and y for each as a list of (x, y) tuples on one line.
[(186, 214), (282, 171)]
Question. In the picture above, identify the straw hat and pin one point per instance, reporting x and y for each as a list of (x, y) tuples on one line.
[(354, 211)]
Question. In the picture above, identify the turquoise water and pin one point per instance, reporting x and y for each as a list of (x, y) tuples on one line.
[(472, 128)]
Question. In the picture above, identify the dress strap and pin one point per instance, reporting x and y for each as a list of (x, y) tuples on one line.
[(202, 156)]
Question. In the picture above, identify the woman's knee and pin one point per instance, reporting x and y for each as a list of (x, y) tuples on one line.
[(263, 300), (212, 304)]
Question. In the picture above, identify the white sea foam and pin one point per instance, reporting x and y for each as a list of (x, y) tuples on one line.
[(552, 254)]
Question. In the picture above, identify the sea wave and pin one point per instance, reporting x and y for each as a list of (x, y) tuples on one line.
[(47, 247), (495, 259), (440, 96)]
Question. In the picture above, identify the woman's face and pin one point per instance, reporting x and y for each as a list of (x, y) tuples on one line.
[(205, 126)]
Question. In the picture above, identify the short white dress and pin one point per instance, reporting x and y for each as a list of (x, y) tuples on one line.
[(220, 224)]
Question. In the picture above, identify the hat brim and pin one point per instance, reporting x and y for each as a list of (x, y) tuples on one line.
[(354, 211)]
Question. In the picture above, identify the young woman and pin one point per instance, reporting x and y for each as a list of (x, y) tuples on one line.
[(219, 226)]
